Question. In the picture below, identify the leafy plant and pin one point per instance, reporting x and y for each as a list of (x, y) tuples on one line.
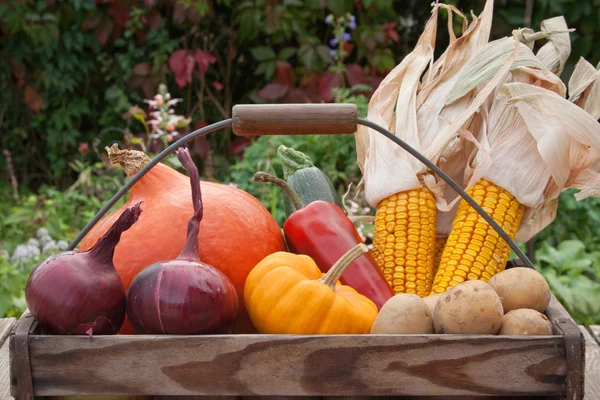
[(574, 277)]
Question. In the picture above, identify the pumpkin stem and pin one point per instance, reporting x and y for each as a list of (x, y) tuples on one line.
[(336, 271), (190, 251), (293, 160), (132, 161), (293, 195)]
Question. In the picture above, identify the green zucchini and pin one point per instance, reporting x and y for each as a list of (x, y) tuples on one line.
[(309, 181)]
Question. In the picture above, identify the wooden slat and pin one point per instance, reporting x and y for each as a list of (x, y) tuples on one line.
[(592, 366), (6, 324), (595, 329), (297, 365)]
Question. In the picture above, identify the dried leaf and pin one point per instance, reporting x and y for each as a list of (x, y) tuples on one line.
[(584, 87), (555, 53)]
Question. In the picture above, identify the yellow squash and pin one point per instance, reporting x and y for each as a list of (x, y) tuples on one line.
[(286, 293)]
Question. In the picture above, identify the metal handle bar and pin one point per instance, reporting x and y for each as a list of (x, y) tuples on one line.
[(251, 132)]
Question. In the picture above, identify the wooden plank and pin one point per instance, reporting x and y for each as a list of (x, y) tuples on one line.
[(592, 366), (290, 365), (294, 119), (595, 329), (6, 324)]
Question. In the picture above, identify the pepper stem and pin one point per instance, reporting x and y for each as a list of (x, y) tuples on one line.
[(132, 161), (336, 271), (190, 251), (292, 194)]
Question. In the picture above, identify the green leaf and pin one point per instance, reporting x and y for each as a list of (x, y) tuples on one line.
[(339, 7), (286, 53), (263, 53)]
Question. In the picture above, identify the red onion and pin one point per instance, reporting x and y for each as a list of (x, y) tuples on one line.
[(74, 293), (185, 295)]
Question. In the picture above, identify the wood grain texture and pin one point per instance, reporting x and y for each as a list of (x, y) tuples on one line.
[(294, 119), (6, 325), (595, 329), (284, 365), (592, 366)]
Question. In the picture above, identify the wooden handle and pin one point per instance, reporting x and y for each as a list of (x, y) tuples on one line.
[(294, 119)]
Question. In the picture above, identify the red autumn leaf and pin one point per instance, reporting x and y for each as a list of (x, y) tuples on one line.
[(273, 91), (121, 11), (329, 80), (390, 32), (238, 146), (149, 87), (104, 29), (182, 65), (218, 85), (200, 125), (142, 69), (141, 35), (231, 52), (154, 19), (32, 99), (297, 95), (356, 75), (284, 74), (204, 59)]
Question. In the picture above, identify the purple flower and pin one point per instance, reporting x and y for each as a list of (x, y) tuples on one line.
[(333, 42), (329, 19), (352, 18), (352, 25), (332, 53), (346, 37)]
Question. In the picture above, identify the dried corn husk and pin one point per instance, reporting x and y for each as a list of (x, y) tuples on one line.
[(555, 53), (584, 87), (418, 116)]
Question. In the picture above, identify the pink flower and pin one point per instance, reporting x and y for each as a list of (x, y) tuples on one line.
[(158, 98), (170, 128), (169, 138)]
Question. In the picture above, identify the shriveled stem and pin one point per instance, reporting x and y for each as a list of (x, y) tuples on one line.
[(336, 271), (293, 195), (132, 161), (190, 251)]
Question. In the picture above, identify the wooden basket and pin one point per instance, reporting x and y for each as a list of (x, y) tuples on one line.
[(481, 366)]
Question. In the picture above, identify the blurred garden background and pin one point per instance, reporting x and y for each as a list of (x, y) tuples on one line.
[(77, 75)]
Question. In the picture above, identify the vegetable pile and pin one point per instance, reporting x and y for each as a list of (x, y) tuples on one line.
[(206, 258)]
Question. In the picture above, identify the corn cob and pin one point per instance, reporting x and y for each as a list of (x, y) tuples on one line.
[(404, 240), (440, 242), (474, 249)]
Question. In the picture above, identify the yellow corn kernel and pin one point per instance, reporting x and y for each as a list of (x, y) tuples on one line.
[(481, 252), (405, 224)]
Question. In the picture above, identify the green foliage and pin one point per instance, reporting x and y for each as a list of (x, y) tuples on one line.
[(574, 277)]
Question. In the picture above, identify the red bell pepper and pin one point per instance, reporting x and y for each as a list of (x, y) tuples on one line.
[(322, 231)]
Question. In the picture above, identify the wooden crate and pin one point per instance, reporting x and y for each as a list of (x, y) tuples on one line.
[(300, 365)]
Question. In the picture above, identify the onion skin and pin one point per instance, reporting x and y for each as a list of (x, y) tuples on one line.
[(185, 295), (182, 297), (71, 292)]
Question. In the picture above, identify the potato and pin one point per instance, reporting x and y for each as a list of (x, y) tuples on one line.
[(471, 307), (521, 287), (525, 321), (431, 301), (403, 313)]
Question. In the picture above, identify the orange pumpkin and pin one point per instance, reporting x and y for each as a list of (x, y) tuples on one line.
[(287, 294), (236, 232)]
